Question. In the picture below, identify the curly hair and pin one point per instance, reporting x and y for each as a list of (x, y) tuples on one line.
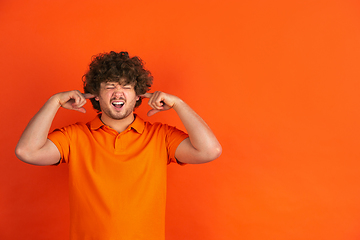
[(116, 67)]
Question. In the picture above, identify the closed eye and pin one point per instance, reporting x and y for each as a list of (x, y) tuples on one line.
[(109, 86)]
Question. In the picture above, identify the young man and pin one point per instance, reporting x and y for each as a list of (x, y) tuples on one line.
[(117, 162)]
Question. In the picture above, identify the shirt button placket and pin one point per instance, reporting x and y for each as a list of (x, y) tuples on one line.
[(120, 143)]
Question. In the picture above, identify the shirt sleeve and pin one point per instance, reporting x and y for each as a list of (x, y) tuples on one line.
[(60, 137), (174, 137)]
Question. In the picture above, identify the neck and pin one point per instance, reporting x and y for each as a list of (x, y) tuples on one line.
[(118, 125)]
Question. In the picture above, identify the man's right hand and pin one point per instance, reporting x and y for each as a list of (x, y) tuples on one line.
[(73, 100)]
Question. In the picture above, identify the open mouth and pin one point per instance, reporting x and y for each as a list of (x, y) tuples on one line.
[(118, 105)]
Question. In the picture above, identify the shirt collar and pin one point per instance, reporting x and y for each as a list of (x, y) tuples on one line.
[(138, 124), (96, 123)]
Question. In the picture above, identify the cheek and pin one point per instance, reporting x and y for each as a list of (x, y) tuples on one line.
[(104, 96), (131, 95)]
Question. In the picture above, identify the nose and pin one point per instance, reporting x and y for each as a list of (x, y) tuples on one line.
[(118, 92)]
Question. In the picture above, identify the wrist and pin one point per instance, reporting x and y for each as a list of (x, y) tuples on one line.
[(178, 103), (54, 101)]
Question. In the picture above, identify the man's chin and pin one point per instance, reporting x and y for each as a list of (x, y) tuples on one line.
[(119, 116)]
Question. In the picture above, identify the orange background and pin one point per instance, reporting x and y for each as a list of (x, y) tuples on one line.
[(277, 81)]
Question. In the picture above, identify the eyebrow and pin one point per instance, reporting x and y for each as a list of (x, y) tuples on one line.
[(116, 83)]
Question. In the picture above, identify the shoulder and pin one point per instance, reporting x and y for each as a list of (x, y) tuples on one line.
[(158, 126), (94, 124), (139, 124), (165, 130), (70, 130), (79, 126)]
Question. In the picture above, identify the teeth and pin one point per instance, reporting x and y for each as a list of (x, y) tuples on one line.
[(118, 103)]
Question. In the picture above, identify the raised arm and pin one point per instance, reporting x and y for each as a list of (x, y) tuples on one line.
[(33, 146), (202, 145)]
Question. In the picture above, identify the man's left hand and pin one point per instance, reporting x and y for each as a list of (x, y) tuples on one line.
[(160, 101)]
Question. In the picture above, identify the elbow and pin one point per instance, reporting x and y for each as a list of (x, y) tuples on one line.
[(218, 151), (212, 154), (18, 152), (22, 154), (215, 152)]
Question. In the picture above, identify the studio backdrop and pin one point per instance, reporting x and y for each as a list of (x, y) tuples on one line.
[(277, 82)]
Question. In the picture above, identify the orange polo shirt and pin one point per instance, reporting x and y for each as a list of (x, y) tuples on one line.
[(117, 181)]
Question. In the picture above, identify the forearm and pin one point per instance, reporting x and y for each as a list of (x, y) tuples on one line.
[(35, 134)]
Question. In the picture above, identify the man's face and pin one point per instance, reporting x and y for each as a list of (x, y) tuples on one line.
[(117, 101)]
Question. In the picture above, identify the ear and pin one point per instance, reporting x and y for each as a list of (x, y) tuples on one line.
[(137, 98), (97, 98)]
